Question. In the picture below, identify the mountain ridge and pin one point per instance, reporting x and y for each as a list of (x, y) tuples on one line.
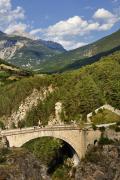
[(25, 52), (59, 62)]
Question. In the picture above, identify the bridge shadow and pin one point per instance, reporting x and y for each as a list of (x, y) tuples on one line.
[(65, 152), (60, 155)]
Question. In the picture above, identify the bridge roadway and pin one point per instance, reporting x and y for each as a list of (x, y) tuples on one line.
[(37, 129), (76, 137)]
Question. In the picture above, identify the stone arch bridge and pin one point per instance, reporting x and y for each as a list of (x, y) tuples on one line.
[(77, 138)]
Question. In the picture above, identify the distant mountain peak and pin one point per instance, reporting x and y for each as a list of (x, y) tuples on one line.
[(52, 45), (26, 52)]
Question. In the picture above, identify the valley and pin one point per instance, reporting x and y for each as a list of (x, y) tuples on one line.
[(43, 99)]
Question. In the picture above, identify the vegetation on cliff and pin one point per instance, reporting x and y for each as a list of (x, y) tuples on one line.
[(45, 148), (20, 164), (104, 116), (101, 162), (53, 153), (80, 92)]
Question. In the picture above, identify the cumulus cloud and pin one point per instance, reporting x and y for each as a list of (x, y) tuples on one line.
[(14, 28), (103, 14), (70, 32), (66, 31), (9, 17), (72, 44), (108, 19)]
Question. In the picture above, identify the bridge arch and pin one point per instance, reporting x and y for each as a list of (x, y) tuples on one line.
[(66, 149), (26, 138), (78, 139)]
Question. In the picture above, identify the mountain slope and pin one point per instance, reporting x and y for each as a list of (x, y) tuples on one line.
[(10, 73), (87, 61), (26, 52), (80, 92), (63, 60)]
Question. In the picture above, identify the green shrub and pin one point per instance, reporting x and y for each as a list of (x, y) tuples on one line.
[(102, 129), (21, 124), (100, 110), (93, 155), (61, 173), (3, 153), (93, 113), (94, 127), (118, 123), (2, 126), (13, 125), (45, 148), (117, 129), (105, 141)]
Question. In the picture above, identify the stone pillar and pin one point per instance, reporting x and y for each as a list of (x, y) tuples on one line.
[(58, 111)]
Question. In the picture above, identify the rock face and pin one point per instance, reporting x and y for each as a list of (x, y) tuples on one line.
[(9, 48), (22, 165), (27, 105), (25, 52), (57, 119), (106, 167)]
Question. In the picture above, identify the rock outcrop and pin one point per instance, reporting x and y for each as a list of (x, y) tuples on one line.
[(9, 48), (27, 105), (57, 119), (22, 165), (102, 164)]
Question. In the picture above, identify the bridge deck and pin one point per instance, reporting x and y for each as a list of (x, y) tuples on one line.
[(37, 129)]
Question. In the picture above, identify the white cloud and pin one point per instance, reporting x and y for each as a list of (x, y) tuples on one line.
[(108, 19), (72, 44), (66, 31), (15, 28), (69, 32), (103, 14), (9, 16), (72, 26), (35, 31)]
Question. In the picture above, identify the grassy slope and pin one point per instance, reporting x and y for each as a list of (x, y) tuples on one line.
[(82, 54), (10, 73), (105, 116)]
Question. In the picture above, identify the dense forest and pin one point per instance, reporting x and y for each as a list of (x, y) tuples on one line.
[(80, 91)]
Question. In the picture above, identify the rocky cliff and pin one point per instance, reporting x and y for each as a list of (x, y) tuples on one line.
[(100, 164), (22, 165), (30, 102), (25, 52)]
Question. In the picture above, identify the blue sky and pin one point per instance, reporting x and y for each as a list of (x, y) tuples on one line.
[(72, 23)]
